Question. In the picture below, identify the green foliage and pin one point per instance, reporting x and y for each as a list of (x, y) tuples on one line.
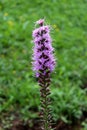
[(68, 103), (21, 99), (84, 124), (18, 88)]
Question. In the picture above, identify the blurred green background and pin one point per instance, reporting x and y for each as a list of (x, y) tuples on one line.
[(19, 91)]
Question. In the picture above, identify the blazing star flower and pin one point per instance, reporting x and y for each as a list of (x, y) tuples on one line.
[(43, 65), (43, 58)]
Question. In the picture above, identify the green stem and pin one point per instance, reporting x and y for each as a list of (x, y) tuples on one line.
[(45, 100)]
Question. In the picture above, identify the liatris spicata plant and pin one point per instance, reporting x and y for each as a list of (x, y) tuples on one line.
[(43, 65)]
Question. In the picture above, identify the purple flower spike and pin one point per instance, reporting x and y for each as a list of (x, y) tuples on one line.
[(43, 65), (43, 58)]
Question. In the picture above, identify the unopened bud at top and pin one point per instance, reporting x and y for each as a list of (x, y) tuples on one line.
[(40, 22)]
